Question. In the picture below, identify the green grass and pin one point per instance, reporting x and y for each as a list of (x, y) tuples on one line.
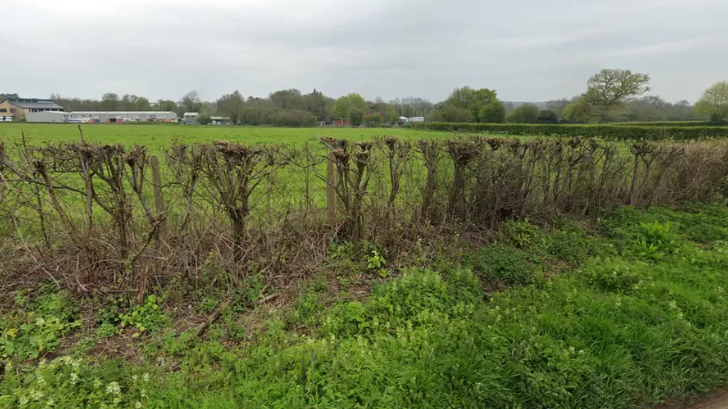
[(158, 137), (622, 317)]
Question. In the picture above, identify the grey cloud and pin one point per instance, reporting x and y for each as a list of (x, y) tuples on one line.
[(525, 49)]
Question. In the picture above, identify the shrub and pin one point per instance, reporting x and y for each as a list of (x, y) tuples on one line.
[(547, 117), (294, 118), (372, 120), (493, 113), (356, 118), (502, 264), (33, 328), (614, 132), (450, 114)]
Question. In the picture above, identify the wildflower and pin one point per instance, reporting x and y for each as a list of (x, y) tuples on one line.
[(50, 403), (74, 378), (673, 305), (134, 378), (572, 349), (41, 381), (146, 377), (97, 383), (138, 405), (113, 387), (144, 393), (23, 400)]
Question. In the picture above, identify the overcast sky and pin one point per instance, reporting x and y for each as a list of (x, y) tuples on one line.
[(527, 50)]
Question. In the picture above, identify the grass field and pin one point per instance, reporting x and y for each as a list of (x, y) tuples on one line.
[(163, 135)]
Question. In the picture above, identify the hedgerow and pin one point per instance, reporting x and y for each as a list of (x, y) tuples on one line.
[(612, 132)]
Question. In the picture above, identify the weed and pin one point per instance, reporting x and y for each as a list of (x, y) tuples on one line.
[(502, 264)]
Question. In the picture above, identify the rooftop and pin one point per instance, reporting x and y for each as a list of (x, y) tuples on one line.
[(34, 103), (120, 112)]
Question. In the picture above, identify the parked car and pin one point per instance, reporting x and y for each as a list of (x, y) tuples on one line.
[(8, 119)]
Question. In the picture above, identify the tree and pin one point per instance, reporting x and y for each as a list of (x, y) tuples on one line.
[(547, 116), (142, 104), (109, 102), (356, 118), (166, 105), (471, 99), (578, 111), (232, 106), (3, 97), (609, 89), (316, 103), (287, 99), (714, 102), (525, 114), (191, 102), (493, 113), (373, 120), (347, 104), (558, 105), (204, 119), (449, 113)]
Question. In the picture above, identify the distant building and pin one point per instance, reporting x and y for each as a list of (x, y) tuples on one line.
[(340, 122), (103, 117), (19, 107), (190, 118)]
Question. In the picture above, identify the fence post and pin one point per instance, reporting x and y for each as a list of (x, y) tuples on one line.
[(330, 195), (159, 201)]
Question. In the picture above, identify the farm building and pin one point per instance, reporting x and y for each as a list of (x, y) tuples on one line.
[(340, 122), (104, 117), (21, 106)]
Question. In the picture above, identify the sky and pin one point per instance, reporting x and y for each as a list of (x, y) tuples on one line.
[(526, 50)]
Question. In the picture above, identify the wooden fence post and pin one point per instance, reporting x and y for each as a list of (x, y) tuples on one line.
[(330, 194), (159, 201)]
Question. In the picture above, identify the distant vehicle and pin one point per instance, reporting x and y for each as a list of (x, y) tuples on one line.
[(8, 119)]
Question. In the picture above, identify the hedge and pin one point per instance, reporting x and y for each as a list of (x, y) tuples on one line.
[(671, 123), (599, 131)]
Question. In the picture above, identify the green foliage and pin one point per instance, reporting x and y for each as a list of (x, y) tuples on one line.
[(520, 233), (609, 89), (356, 118), (146, 317), (714, 102), (472, 100), (617, 332), (524, 114), (35, 328), (373, 120), (493, 113), (547, 117), (376, 263), (612, 276), (610, 132), (69, 382), (204, 119), (449, 114), (502, 265), (293, 118)]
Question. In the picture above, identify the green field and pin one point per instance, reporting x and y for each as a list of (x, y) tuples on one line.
[(162, 135)]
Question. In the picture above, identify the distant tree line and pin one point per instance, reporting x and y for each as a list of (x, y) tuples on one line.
[(612, 95), (281, 108)]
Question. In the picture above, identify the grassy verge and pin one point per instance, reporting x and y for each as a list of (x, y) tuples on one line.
[(625, 314)]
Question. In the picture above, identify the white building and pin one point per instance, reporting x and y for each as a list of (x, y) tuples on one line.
[(104, 117)]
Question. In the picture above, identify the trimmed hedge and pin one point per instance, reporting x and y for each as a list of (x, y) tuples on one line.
[(599, 131), (671, 123)]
